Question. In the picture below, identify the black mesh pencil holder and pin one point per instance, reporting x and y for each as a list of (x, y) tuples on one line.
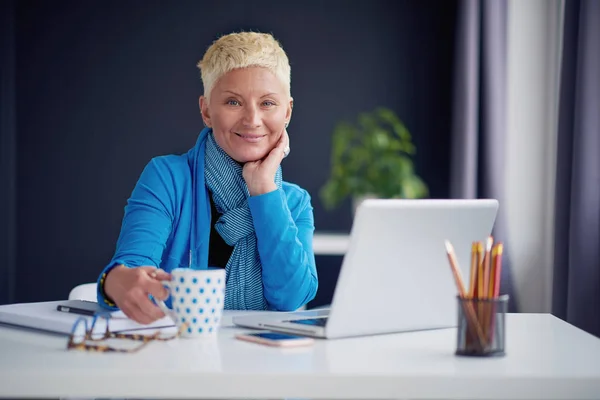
[(481, 326)]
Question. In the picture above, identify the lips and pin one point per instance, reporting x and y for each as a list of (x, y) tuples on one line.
[(250, 138)]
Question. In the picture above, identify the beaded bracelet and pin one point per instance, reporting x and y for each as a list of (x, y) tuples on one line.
[(104, 295)]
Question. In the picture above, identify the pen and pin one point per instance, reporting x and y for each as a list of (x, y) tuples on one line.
[(75, 310)]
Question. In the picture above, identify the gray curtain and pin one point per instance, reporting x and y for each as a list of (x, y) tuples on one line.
[(576, 280), (479, 113), (8, 141)]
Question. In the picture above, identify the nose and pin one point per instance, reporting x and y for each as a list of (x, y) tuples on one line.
[(252, 117)]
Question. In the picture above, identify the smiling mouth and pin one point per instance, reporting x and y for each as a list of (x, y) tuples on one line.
[(250, 138)]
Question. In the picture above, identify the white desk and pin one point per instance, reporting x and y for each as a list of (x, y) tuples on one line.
[(547, 359)]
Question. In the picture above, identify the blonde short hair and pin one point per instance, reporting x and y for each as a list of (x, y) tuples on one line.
[(242, 50)]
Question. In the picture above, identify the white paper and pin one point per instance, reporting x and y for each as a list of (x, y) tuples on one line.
[(44, 316)]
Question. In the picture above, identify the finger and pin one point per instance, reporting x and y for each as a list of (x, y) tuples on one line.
[(251, 165), (278, 151), (156, 289), (286, 145), (275, 156), (145, 308), (150, 309), (272, 160), (287, 138), (282, 149), (286, 150), (156, 273), (284, 141), (152, 282), (134, 312), (160, 275)]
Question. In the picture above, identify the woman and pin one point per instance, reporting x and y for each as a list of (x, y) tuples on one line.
[(223, 204)]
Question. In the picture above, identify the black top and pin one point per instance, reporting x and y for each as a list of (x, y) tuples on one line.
[(218, 251)]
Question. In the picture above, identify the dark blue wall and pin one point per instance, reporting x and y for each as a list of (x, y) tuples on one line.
[(8, 154), (103, 86)]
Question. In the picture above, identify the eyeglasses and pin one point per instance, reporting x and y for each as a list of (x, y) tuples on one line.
[(94, 338)]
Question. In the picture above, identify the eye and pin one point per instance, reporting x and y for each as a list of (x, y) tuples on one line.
[(232, 102), (268, 103)]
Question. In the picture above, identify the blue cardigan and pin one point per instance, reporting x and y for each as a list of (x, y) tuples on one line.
[(167, 224)]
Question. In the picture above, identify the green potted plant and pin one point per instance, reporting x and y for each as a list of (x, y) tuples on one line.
[(372, 159)]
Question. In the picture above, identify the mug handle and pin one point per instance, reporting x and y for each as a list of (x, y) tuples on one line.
[(161, 304)]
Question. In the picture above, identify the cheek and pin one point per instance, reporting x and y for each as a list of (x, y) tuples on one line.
[(222, 125), (223, 121), (275, 123)]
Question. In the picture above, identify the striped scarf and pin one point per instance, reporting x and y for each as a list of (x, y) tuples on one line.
[(244, 288)]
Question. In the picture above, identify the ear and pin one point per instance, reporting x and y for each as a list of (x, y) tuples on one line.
[(288, 114), (204, 111)]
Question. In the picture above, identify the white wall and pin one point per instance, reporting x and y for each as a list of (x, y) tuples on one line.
[(533, 72)]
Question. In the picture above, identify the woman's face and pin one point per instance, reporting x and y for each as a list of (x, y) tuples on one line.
[(248, 110)]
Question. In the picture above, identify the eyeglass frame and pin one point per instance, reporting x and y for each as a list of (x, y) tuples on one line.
[(88, 336)]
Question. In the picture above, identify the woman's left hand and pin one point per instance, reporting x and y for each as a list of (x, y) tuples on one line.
[(260, 175)]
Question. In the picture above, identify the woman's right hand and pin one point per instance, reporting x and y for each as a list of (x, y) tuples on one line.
[(129, 289)]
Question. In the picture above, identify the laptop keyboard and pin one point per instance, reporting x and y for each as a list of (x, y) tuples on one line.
[(310, 321)]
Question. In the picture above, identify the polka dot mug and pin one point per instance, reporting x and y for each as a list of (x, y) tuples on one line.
[(197, 298)]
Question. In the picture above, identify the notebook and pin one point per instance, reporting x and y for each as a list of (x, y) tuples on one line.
[(43, 316)]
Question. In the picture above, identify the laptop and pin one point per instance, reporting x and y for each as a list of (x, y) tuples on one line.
[(395, 276)]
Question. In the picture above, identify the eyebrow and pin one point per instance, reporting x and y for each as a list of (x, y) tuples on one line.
[(237, 94)]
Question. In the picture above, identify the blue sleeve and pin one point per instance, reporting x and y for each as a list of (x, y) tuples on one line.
[(285, 249), (146, 224)]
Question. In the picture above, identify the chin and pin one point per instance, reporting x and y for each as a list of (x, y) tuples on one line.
[(248, 155)]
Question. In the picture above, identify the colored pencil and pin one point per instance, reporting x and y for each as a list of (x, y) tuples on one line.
[(479, 258), (495, 287), (498, 270), (492, 278), (460, 283), (473, 274), (469, 310), (486, 267), (484, 306)]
